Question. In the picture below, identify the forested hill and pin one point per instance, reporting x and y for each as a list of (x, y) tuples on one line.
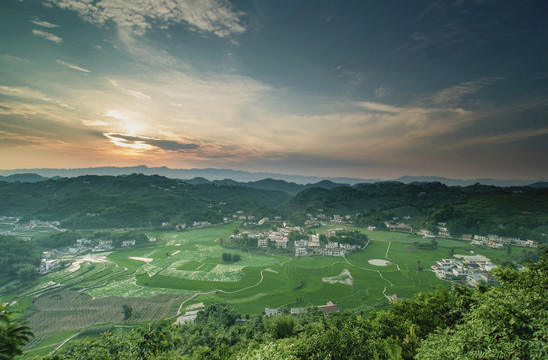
[(477, 209), (131, 201), (148, 201)]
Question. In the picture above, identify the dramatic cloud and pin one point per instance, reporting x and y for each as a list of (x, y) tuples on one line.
[(255, 85), (72, 66), (213, 16), (147, 143), (48, 36)]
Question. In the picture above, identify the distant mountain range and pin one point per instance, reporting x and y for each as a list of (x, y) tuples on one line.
[(263, 180)]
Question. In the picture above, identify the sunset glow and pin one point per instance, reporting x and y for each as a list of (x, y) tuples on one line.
[(351, 88)]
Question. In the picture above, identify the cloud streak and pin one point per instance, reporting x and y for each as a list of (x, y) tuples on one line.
[(30, 95), (44, 24), (456, 93), (48, 36), (148, 143), (72, 66)]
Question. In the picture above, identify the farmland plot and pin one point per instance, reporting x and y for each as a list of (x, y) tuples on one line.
[(182, 264), (67, 310)]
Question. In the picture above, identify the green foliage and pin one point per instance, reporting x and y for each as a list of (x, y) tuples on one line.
[(350, 237), (218, 315), (227, 257), (432, 245), (13, 334), (297, 235), (131, 201), (516, 211), (17, 258), (58, 239), (127, 311), (155, 341), (508, 322), (26, 273), (280, 327)]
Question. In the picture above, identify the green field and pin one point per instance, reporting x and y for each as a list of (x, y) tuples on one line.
[(158, 281)]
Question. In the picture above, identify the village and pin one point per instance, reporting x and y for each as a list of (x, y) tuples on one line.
[(491, 240), (53, 259), (471, 270), (304, 245), (190, 315)]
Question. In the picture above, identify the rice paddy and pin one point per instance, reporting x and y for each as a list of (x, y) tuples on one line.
[(187, 268)]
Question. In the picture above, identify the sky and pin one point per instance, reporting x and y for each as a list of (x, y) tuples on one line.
[(370, 89)]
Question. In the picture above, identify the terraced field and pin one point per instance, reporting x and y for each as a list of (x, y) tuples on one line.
[(185, 268)]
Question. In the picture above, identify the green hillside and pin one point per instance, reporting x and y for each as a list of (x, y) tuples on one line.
[(131, 201)]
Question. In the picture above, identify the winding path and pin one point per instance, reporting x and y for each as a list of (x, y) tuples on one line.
[(378, 271), (64, 342), (386, 256), (222, 291)]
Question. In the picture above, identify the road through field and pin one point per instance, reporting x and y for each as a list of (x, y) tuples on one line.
[(222, 291)]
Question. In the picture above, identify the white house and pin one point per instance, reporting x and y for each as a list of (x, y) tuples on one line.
[(282, 243), (301, 243), (48, 265), (271, 312)]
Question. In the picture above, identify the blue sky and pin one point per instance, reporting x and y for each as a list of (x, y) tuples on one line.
[(327, 88)]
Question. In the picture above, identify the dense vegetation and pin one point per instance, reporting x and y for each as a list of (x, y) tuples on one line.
[(227, 257), (476, 209), (18, 259), (500, 322), (350, 237), (98, 202), (13, 334), (58, 239)]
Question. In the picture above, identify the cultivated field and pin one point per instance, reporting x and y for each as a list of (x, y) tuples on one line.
[(185, 268)]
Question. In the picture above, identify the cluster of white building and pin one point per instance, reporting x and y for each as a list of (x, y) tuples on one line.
[(326, 309), (398, 226), (279, 236), (36, 223), (498, 242), (322, 219), (472, 272), (303, 247)]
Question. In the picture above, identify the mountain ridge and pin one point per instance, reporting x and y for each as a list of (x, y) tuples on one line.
[(242, 176)]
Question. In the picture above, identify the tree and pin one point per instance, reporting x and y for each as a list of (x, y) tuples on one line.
[(323, 239), (13, 335), (507, 321), (280, 327), (26, 273), (217, 314), (127, 311)]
